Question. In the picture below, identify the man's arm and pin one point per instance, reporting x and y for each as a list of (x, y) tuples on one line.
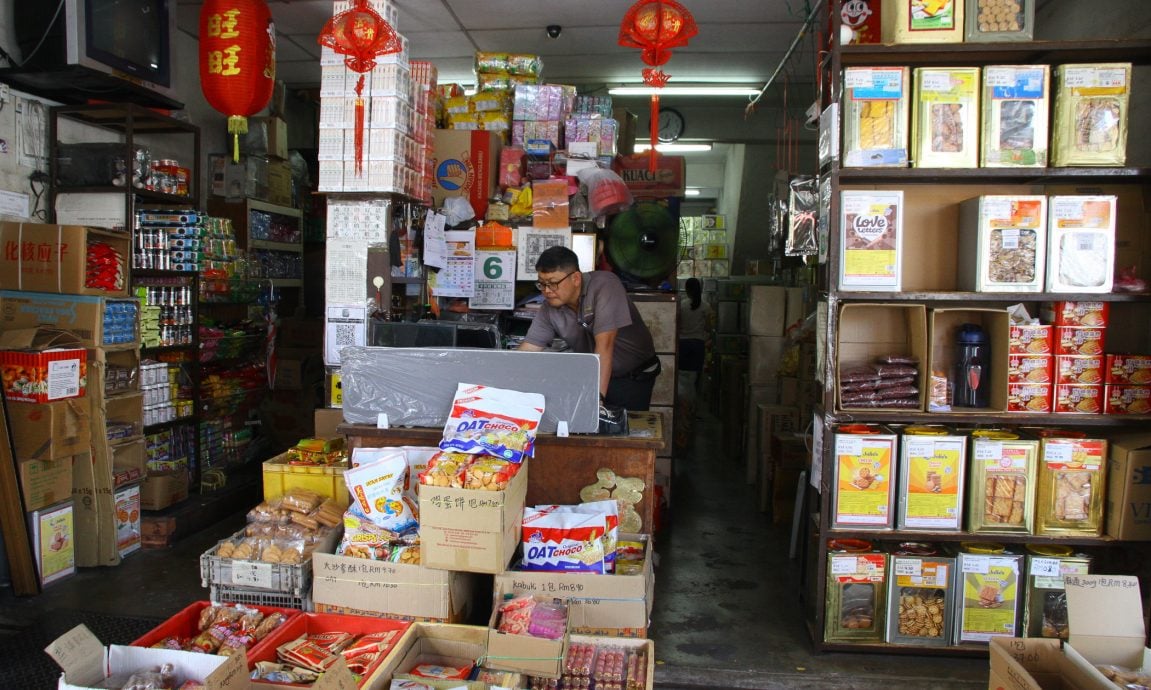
[(528, 347), (604, 345)]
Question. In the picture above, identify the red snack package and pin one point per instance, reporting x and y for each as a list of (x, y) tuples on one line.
[(310, 655), (334, 641), (372, 642)]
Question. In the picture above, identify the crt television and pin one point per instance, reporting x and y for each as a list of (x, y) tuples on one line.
[(74, 51)]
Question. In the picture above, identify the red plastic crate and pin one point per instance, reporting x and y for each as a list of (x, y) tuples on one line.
[(311, 623), (187, 623)]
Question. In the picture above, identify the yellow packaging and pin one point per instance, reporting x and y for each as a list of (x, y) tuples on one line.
[(1045, 609), (1003, 475), (875, 109), (931, 470), (990, 597), (922, 21), (945, 117), (1016, 99), (864, 492), (856, 597), (1091, 111), (1072, 484)]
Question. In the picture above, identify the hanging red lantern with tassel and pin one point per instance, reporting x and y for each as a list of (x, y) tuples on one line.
[(655, 27), (361, 34), (237, 60)]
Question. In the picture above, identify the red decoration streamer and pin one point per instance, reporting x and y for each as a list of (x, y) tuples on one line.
[(361, 34), (237, 60)]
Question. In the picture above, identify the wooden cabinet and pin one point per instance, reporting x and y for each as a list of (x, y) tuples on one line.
[(930, 282)]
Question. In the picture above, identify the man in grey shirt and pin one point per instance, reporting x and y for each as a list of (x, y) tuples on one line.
[(591, 312)]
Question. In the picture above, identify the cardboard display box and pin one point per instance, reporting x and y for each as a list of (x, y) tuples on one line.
[(766, 310), (82, 315), (533, 656), (44, 482), (87, 663), (163, 489), (1037, 664), (616, 605), (326, 422), (53, 535), (465, 163), (942, 350), (43, 364), (431, 643), (1105, 617), (867, 331), (53, 258), (472, 531), (1129, 499), (49, 430), (342, 584)]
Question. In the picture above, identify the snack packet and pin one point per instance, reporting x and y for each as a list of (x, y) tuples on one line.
[(378, 494), (494, 421), (609, 509), (564, 542)]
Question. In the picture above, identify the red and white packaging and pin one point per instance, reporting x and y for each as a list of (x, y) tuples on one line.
[(1078, 399), (1029, 397), (1133, 370), (1030, 369), (1074, 340), (1087, 314), (1127, 400), (1079, 369), (1030, 339)]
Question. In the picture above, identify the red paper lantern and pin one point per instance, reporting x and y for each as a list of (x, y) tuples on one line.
[(361, 34), (237, 60), (655, 27)]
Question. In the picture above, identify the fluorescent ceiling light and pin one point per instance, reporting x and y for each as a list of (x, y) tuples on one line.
[(716, 90), (691, 191), (674, 148)]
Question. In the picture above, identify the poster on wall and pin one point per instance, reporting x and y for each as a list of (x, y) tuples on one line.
[(495, 279), (532, 242)]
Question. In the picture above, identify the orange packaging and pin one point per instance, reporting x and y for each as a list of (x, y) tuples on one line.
[(1073, 340), (1028, 397), (1029, 369), (1079, 369), (39, 377), (1089, 314), (1128, 369), (1033, 339), (1127, 400), (1072, 398)]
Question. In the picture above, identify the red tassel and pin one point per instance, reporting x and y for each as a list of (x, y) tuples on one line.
[(654, 132), (360, 127)]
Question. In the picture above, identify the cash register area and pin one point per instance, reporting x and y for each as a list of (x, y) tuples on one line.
[(727, 611)]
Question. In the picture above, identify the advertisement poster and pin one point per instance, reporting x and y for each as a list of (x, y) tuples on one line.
[(495, 279)]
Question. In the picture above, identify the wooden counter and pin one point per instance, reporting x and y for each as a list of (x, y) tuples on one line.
[(561, 466)]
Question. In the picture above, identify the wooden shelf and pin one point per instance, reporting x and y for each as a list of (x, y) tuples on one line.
[(171, 423), (973, 651), (984, 417), (918, 176), (125, 117), (979, 54), (927, 536), (191, 347), (276, 246), (986, 297)]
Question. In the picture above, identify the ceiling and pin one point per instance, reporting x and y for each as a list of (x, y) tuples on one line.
[(739, 40)]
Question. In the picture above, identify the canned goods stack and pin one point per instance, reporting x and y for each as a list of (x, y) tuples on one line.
[(167, 241)]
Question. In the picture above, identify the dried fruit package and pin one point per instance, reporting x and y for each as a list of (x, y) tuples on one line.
[(1016, 100), (919, 600), (1072, 484), (875, 108), (1081, 243), (1002, 243), (1091, 112), (945, 118)]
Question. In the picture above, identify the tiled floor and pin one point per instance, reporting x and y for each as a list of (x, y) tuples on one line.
[(726, 613)]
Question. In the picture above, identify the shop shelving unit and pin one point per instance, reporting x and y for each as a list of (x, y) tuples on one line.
[(927, 191)]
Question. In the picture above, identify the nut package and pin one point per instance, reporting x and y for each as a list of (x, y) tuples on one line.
[(1001, 496), (945, 118), (875, 111), (864, 471), (1016, 99), (1072, 484), (1081, 243), (1091, 112), (1002, 243), (920, 599)]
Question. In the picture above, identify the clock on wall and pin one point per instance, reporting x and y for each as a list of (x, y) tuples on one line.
[(670, 125)]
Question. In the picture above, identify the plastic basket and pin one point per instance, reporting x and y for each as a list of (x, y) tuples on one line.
[(185, 624), (259, 597), (294, 579)]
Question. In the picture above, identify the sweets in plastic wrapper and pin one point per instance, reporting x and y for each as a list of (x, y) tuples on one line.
[(494, 421), (276, 672), (365, 539), (444, 469), (486, 473), (441, 671), (158, 678)]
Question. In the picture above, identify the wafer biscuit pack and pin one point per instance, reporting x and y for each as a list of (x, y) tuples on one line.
[(875, 107), (493, 421), (564, 542)]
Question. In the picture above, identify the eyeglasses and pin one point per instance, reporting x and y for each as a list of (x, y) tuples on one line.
[(553, 285)]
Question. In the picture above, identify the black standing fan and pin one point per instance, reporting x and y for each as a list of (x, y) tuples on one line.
[(644, 242)]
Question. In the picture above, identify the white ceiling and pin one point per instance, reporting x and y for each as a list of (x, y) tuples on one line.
[(738, 40)]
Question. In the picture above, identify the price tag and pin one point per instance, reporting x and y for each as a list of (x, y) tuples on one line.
[(1057, 453), (920, 448), (936, 81), (562, 428), (858, 79), (1010, 238), (1067, 208), (912, 567), (1111, 78), (252, 574), (849, 445), (997, 209), (382, 420), (940, 576), (1086, 241), (1078, 77), (979, 565), (1045, 567), (999, 76), (844, 565), (988, 451)]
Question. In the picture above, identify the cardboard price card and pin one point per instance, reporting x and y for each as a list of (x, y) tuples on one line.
[(864, 468)]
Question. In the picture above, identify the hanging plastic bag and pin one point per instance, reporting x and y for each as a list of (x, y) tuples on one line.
[(606, 192), (458, 210), (802, 214)]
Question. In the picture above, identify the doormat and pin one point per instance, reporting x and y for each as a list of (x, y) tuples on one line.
[(24, 643)]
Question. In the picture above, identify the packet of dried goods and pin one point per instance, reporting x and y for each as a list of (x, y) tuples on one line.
[(875, 116), (1072, 484), (485, 473), (493, 421), (564, 542), (378, 494), (1091, 109), (609, 509), (945, 117), (1015, 106), (1003, 243), (365, 539), (1081, 243)]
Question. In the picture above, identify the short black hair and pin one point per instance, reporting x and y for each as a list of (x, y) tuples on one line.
[(557, 258)]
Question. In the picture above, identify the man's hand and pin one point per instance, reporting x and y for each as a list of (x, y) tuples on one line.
[(529, 347)]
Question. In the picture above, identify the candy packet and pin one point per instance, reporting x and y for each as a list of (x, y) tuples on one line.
[(609, 509)]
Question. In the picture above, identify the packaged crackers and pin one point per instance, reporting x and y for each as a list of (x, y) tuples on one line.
[(1127, 399), (871, 240), (1072, 482), (991, 595), (990, 21), (923, 21), (1002, 243), (1131, 370), (1081, 243), (1016, 99), (920, 596), (1003, 474), (932, 461), (945, 118), (875, 110), (864, 477), (1091, 111), (856, 593)]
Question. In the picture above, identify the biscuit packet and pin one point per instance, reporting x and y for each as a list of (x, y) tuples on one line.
[(378, 494), (609, 509), (494, 421), (564, 542)]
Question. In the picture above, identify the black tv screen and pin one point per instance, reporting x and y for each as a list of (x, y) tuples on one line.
[(131, 35)]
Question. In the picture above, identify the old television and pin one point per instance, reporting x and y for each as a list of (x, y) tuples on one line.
[(75, 51)]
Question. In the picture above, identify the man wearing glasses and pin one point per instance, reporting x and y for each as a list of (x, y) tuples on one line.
[(591, 312)]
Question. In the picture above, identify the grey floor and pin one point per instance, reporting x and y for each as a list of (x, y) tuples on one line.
[(727, 610)]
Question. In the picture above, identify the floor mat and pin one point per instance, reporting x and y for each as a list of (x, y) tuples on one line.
[(32, 668)]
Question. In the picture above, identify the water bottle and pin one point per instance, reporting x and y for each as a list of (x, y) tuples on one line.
[(972, 367)]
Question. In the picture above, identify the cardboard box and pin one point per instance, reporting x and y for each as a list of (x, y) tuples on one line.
[(794, 312), (1134, 370), (614, 605), (53, 258), (53, 535), (465, 163), (1085, 314), (533, 656), (867, 331), (945, 116), (1076, 340), (472, 531), (432, 643), (49, 430), (163, 489), (127, 501), (766, 310), (82, 315), (1029, 397), (87, 663), (279, 183), (1030, 339), (44, 482), (327, 421), (1081, 243), (1128, 496), (765, 353), (1078, 399), (943, 327), (1030, 369), (1002, 243), (1081, 369), (342, 584), (1105, 616), (42, 364), (267, 136), (1036, 663)]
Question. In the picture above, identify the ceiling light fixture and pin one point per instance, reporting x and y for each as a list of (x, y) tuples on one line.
[(672, 90), (674, 148)]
